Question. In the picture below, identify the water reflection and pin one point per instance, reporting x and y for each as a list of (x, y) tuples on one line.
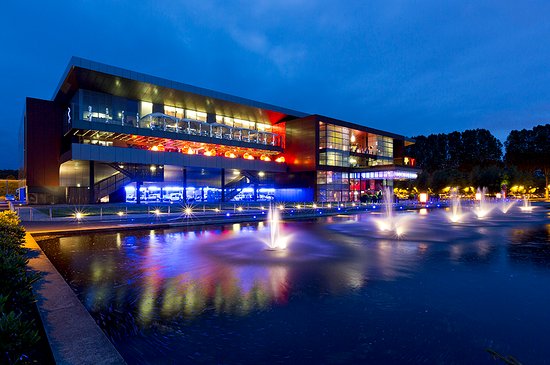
[(169, 274), (155, 284)]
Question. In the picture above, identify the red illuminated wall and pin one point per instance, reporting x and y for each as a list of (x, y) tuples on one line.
[(301, 144)]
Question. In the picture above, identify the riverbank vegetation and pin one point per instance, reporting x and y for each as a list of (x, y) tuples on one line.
[(475, 158)]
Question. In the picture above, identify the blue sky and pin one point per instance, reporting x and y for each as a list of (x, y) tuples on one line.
[(410, 67)]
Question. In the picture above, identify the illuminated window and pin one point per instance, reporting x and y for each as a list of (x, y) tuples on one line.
[(195, 115), (173, 111), (145, 108)]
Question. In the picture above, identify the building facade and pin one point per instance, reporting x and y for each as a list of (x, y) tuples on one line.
[(110, 134)]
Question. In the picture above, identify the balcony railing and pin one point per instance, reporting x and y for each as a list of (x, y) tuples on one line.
[(167, 123)]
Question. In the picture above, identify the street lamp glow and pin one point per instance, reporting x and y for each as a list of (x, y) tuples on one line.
[(120, 214)]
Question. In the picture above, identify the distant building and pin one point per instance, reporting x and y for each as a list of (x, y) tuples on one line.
[(110, 134)]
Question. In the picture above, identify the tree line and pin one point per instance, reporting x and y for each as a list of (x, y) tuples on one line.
[(475, 158)]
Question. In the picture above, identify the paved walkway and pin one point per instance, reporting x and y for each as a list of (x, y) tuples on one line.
[(143, 221), (73, 335), (167, 220)]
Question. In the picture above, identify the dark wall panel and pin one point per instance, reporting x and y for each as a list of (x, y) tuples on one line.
[(43, 131)]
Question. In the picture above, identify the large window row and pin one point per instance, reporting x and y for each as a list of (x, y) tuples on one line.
[(99, 107), (336, 143)]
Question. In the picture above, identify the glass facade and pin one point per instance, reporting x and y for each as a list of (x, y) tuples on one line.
[(334, 145), (104, 108), (344, 147), (333, 186)]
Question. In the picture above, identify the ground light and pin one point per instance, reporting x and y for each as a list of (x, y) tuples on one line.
[(423, 197)]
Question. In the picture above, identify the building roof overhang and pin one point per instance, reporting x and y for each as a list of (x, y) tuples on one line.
[(90, 75), (360, 127)]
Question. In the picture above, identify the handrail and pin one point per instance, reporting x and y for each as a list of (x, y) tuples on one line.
[(168, 123)]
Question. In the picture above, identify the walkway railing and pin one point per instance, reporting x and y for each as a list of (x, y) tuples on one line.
[(167, 123)]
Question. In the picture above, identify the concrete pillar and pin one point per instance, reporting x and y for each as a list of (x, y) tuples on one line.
[(184, 185), (138, 193), (350, 196), (91, 183), (223, 184)]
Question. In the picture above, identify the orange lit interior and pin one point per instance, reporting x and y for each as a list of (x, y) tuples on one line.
[(186, 147)]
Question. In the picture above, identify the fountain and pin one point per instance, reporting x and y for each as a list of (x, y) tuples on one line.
[(526, 207), (484, 207), (276, 240), (389, 222), (456, 209), (505, 205)]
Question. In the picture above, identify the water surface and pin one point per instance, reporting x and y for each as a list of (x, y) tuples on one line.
[(343, 292)]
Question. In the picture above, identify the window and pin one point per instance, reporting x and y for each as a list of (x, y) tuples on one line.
[(333, 186), (195, 115), (336, 140), (173, 111), (145, 108)]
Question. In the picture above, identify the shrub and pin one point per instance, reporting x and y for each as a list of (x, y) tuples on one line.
[(17, 335), (18, 330), (11, 232)]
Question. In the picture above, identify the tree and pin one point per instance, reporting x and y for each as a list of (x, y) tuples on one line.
[(529, 150), (479, 148), (490, 177), (449, 159)]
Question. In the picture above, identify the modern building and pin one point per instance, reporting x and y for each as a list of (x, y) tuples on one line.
[(110, 134)]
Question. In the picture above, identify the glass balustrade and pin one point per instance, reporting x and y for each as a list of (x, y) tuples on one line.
[(168, 123)]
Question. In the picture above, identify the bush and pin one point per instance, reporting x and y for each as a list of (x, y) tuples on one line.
[(11, 232), (18, 330), (17, 335)]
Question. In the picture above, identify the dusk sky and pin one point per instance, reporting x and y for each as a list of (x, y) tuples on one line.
[(409, 67)]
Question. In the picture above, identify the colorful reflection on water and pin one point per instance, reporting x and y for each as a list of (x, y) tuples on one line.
[(337, 294)]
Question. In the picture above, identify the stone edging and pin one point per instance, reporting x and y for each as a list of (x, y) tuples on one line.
[(72, 333)]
